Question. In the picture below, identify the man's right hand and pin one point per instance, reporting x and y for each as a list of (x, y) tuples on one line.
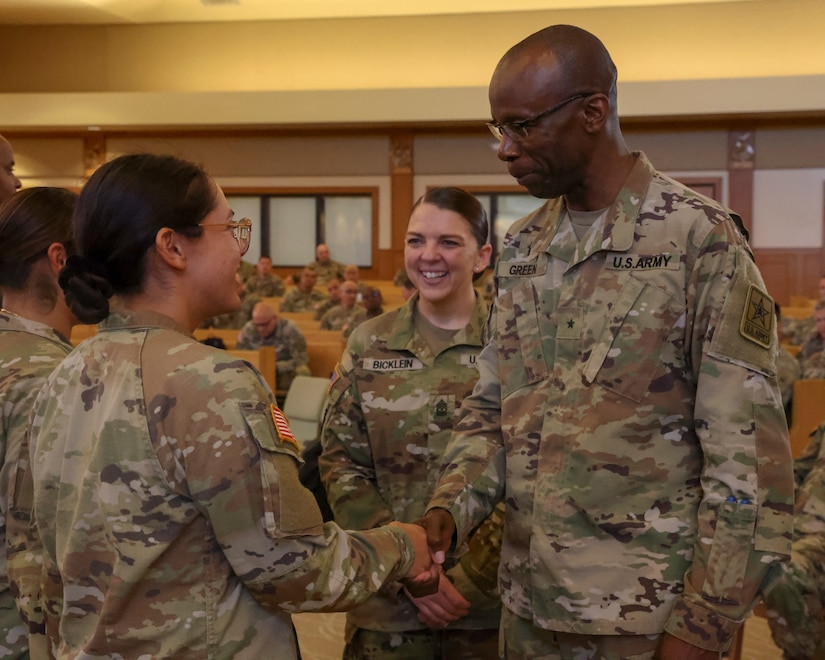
[(440, 528)]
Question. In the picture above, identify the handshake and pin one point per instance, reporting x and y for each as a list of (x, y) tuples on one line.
[(438, 602)]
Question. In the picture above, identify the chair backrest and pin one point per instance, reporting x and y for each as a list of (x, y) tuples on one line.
[(304, 406), (323, 356), (808, 411)]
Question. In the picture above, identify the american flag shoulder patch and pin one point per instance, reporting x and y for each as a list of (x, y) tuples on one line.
[(285, 433)]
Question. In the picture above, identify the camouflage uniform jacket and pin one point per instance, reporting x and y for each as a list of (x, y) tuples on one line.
[(29, 351), (391, 408), (323, 307), (168, 500), (296, 300), (339, 318), (627, 410), (331, 270), (290, 348), (265, 286), (815, 344)]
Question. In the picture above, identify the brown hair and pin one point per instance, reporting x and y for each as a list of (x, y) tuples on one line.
[(31, 221)]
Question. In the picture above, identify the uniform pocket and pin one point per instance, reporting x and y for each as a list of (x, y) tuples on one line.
[(289, 509), (627, 353), (521, 355)]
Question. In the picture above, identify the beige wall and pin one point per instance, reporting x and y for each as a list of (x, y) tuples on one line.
[(750, 56)]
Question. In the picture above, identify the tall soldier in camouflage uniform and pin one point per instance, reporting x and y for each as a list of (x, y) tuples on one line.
[(627, 409), (391, 409), (347, 315), (796, 601), (166, 487), (266, 329), (303, 297), (36, 232)]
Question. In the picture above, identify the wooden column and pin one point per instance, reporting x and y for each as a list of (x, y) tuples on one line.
[(94, 152), (741, 162), (401, 189)]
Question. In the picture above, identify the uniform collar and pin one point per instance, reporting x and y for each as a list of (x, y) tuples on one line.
[(615, 233), (402, 336)]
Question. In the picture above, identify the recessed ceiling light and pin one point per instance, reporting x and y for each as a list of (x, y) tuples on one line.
[(207, 3)]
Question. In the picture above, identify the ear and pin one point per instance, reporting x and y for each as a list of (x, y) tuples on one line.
[(596, 113), (171, 248), (56, 253), (483, 258)]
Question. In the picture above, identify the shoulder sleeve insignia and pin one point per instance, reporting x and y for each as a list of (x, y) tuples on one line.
[(758, 317), (285, 433), (336, 375)]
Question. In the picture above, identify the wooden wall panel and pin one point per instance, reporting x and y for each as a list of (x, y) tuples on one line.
[(789, 272)]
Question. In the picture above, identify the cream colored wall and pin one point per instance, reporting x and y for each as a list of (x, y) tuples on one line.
[(676, 42), (759, 55)]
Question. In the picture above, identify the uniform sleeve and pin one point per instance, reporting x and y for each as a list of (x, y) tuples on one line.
[(296, 345), (244, 342), (24, 550), (479, 565), (471, 482), (346, 462), (745, 516), (288, 302), (268, 526)]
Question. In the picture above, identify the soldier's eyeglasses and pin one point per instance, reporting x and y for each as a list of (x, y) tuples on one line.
[(518, 131), (241, 231)]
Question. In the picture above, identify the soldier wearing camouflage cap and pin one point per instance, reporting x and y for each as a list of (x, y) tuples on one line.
[(35, 323), (391, 408), (166, 487), (627, 409)]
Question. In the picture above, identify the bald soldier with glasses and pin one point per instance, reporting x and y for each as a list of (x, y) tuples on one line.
[(627, 410)]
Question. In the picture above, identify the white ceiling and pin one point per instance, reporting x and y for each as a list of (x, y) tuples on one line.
[(190, 11)]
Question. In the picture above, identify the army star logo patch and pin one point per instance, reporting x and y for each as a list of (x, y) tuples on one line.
[(758, 317)]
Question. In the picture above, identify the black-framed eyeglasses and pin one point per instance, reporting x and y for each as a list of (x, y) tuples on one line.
[(241, 231), (518, 130)]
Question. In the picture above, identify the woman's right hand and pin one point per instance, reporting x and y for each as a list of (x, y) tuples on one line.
[(443, 607)]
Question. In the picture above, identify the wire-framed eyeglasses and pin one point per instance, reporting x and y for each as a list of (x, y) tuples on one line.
[(241, 231), (518, 130)]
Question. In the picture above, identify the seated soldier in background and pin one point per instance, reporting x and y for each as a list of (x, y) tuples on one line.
[(266, 329), (326, 268), (353, 274), (795, 601), (373, 301), (403, 281), (265, 283), (346, 316), (811, 357), (787, 367), (334, 291), (303, 297), (797, 331)]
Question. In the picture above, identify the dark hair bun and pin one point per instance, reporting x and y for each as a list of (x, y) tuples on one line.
[(87, 288)]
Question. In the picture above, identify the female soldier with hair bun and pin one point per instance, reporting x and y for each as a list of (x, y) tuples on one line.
[(165, 478), (35, 323)]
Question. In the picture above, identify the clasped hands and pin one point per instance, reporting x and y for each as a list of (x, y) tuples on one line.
[(437, 600)]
